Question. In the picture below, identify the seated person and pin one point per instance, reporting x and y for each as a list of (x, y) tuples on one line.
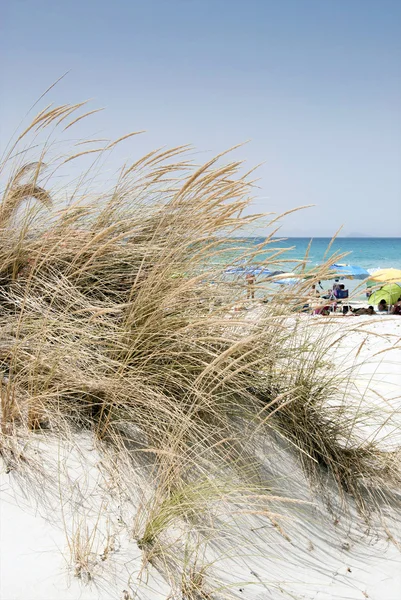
[(332, 293), (341, 293), (382, 306), (365, 311), (348, 310), (396, 310), (322, 310)]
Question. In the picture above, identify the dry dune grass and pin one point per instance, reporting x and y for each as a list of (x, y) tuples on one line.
[(321, 421), (112, 321)]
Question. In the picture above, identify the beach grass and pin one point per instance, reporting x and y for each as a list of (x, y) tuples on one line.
[(117, 319)]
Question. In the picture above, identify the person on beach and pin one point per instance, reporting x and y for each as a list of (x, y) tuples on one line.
[(382, 306), (332, 292), (340, 291), (322, 310), (365, 311), (250, 280), (312, 299), (396, 310)]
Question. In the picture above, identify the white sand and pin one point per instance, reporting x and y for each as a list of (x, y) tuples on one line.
[(320, 558)]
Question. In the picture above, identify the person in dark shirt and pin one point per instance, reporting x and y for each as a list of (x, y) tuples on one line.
[(382, 306), (396, 310)]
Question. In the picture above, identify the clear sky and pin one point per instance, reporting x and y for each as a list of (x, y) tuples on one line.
[(315, 85)]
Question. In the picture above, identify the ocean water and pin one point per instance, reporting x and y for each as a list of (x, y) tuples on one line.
[(369, 253)]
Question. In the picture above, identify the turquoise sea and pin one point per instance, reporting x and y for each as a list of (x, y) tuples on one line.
[(369, 253)]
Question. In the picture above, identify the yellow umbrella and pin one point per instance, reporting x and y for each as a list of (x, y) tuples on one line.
[(386, 275)]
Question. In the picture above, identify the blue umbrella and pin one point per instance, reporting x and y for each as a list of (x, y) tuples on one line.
[(261, 271), (287, 280), (235, 270), (349, 271), (256, 270)]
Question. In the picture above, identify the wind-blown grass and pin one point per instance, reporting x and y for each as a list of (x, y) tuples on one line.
[(117, 318)]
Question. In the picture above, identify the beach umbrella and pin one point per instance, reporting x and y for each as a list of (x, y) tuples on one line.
[(349, 271), (255, 270), (275, 273), (286, 279), (389, 292), (386, 275), (235, 270), (258, 271)]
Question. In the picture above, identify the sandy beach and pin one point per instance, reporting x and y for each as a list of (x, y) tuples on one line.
[(200, 300), (310, 552)]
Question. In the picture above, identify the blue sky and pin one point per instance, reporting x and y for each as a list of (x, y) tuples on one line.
[(315, 85)]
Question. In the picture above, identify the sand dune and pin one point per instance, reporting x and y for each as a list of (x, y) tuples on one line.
[(310, 552)]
